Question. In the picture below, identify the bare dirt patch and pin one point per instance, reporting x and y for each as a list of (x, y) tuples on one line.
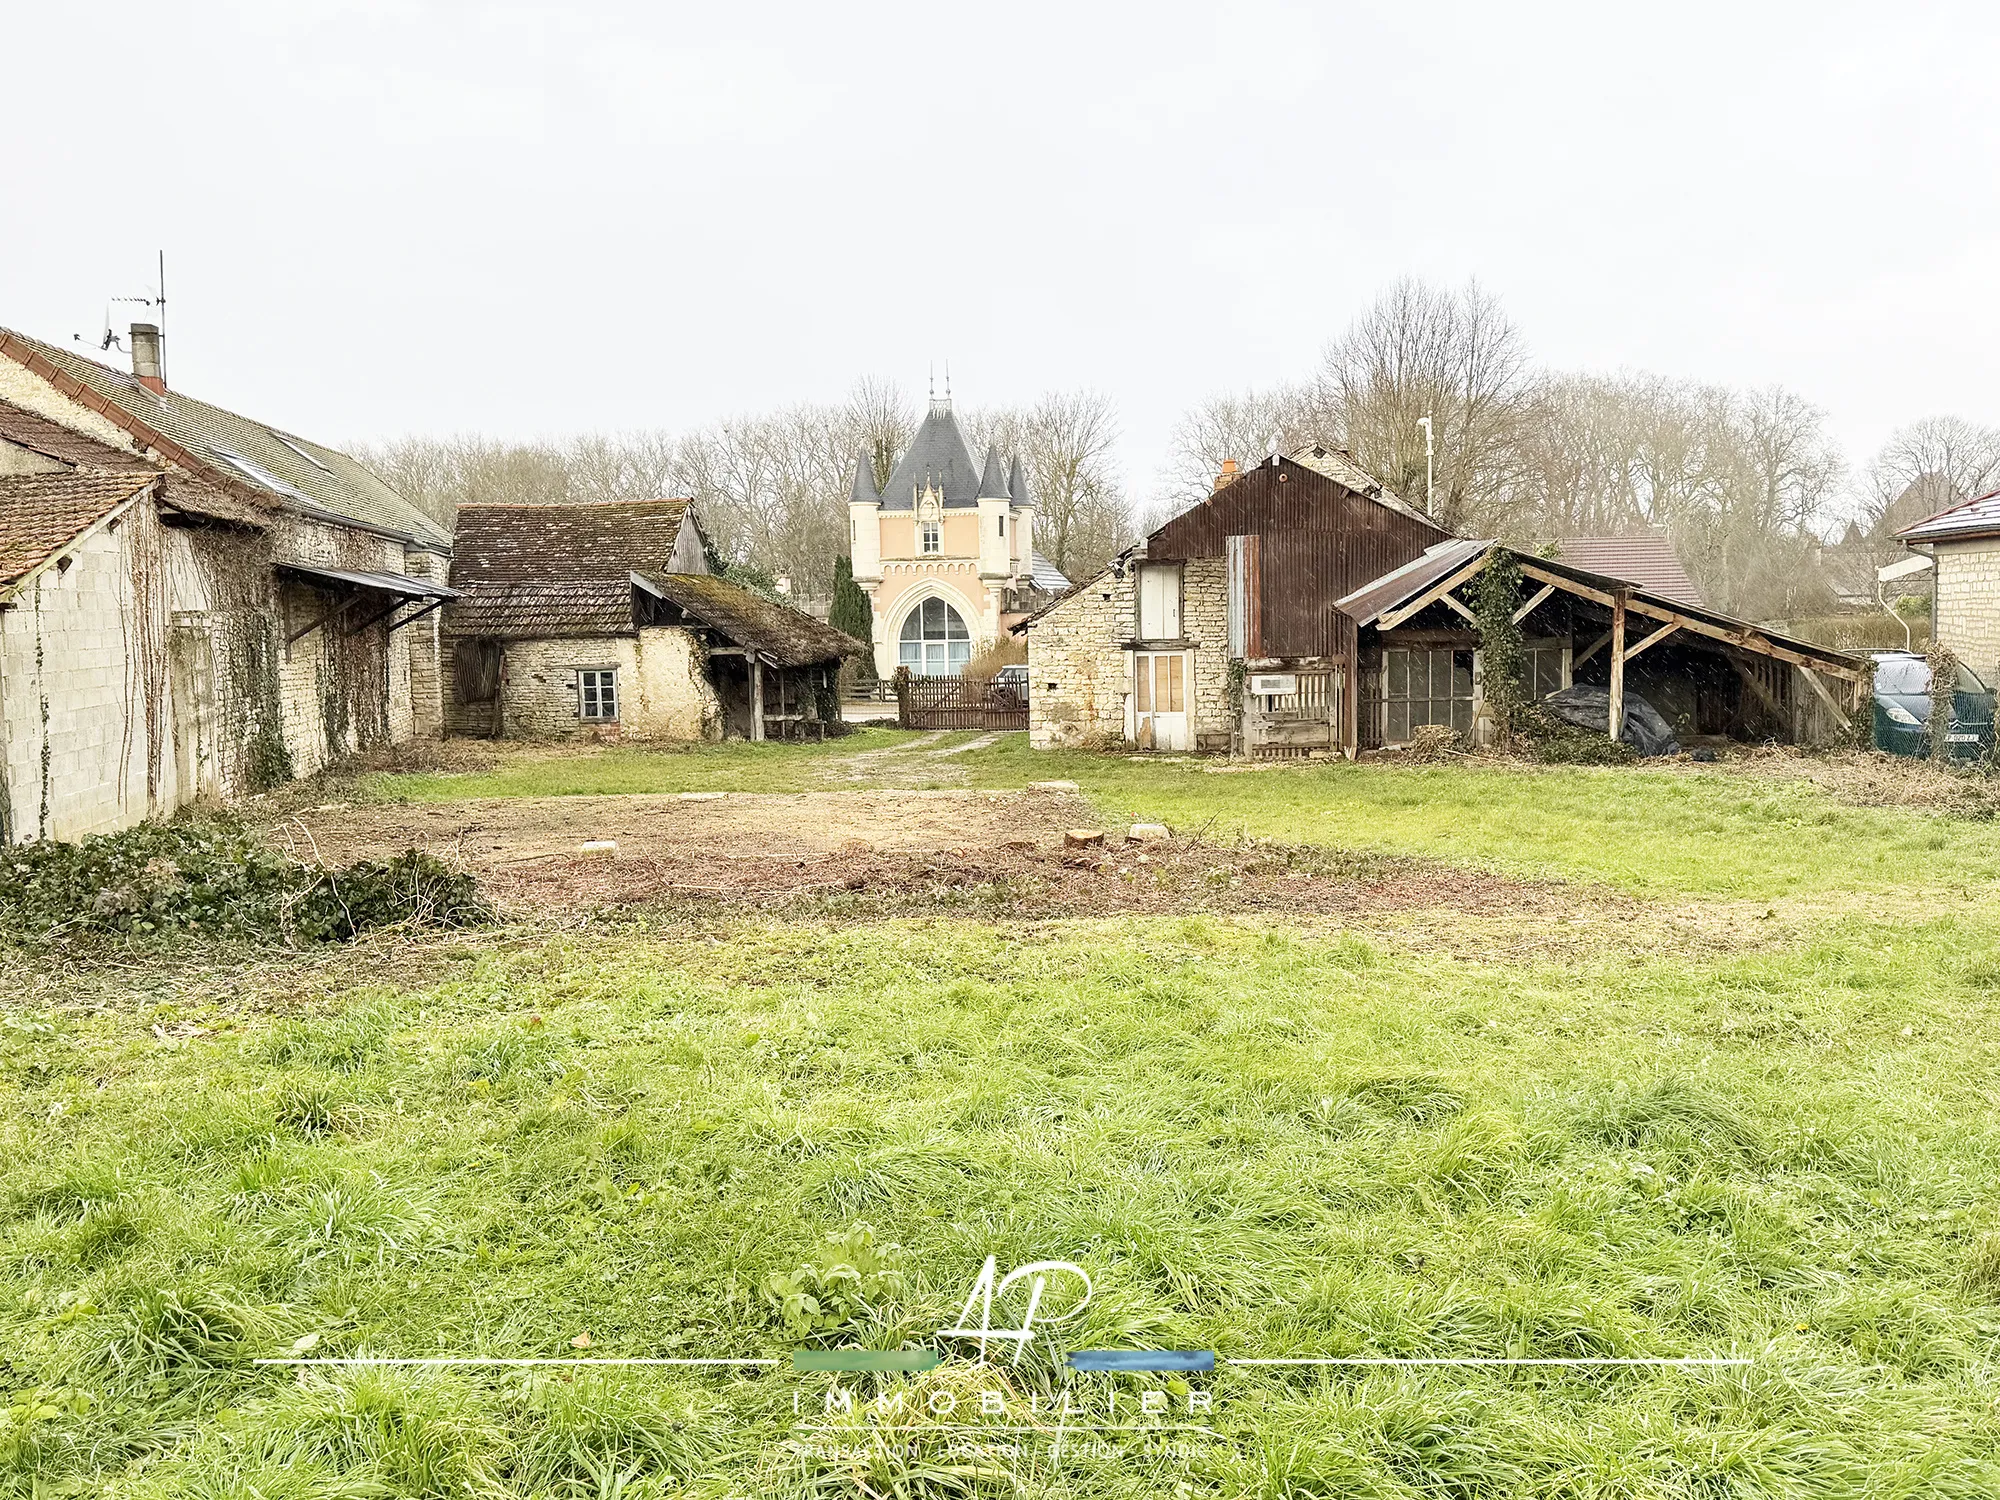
[(871, 854)]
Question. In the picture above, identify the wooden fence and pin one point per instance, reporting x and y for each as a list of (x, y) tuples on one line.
[(958, 703)]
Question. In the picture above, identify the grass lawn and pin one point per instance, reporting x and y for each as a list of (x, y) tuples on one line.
[(1266, 1139)]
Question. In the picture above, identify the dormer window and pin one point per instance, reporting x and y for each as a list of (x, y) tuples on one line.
[(930, 537)]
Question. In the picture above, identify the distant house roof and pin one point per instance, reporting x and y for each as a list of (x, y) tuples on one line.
[(1644, 558), (781, 634), (533, 572), (937, 458), (291, 471), (1974, 518), (1045, 575), (41, 514)]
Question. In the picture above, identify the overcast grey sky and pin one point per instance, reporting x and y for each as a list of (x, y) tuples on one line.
[(533, 219)]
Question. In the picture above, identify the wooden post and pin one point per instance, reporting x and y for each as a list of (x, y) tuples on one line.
[(756, 696), (1615, 722)]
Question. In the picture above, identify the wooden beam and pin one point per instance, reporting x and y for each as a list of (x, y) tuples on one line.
[(1533, 604), (1813, 682), (1659, 635), (1431, 596), (1595, 646), (1747, 637), (1567, 585), (1757, 686), (1615, 719), (1460, 607), (756, 696)]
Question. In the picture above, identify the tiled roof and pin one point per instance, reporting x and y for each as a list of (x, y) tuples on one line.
[(53, 440), (542, 544), (542, 611), (232, 448), (1974, 518), (40, 514), (785, 635), (1645, 558)]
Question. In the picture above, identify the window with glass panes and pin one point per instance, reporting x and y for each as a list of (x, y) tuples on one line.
[(934, 641), (1543, 671), (597, 693), (1425, 686), (932, 537)]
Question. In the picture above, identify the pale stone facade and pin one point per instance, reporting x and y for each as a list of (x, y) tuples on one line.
[(1968, 603), (144, 665), (663, 692), (1082, 654)]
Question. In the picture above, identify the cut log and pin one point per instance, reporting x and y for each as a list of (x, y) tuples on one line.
[(1083, 838)]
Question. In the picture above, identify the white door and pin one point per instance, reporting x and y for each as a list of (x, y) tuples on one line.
[(1159, 698)]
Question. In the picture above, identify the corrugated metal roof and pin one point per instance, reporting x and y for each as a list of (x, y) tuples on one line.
[(1647, 559), (408, 586), (1975, 518), (1396, 588), (1338, 465), (236, 448)]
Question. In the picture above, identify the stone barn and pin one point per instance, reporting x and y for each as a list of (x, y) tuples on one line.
[(192, 604), (608, 619)]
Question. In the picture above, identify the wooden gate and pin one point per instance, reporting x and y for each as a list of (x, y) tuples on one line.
[(959, 703)]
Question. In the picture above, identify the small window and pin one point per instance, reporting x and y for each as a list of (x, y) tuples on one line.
[(932, 537), (597, 694), (1003, 525)]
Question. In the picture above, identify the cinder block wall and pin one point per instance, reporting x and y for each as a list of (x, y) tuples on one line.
[(1968, 604), (73, 695)]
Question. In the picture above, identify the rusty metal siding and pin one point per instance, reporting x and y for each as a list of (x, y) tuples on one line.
[(1318, 541)]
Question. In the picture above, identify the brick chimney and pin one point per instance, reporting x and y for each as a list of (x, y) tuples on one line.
[(146, 357), (1226, 477)]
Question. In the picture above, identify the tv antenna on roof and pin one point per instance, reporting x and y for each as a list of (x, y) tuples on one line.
[(109, 338)]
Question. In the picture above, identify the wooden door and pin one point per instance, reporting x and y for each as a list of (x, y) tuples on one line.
[(1159, 700)]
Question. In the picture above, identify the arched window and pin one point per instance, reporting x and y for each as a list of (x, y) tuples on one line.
[(935, 642)]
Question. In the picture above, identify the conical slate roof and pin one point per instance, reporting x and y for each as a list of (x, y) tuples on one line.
[(1017, 483), (863, 492), (938, 457), (993, 484)]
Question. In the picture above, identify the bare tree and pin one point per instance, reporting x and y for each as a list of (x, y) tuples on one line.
[(1067, 443), (1927, 467), (1423, 351)]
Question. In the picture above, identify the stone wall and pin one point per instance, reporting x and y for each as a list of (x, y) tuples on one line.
[(343, 692), (1080, 667), (1205, 622), (1079, 672), (1968, 604), (663, 689)]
